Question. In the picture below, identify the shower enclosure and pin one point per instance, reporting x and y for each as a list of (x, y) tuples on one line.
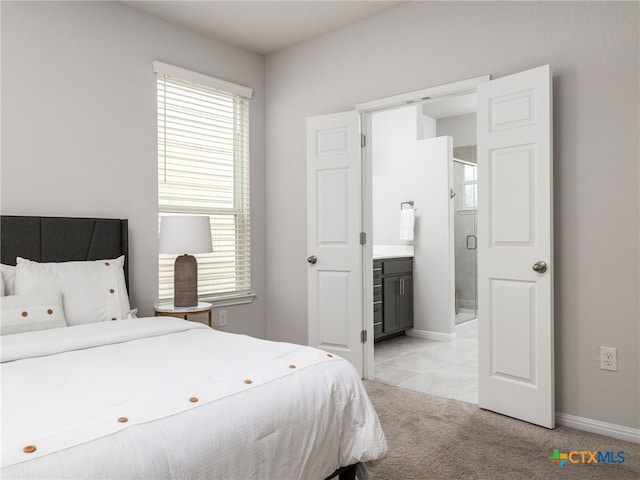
[(465, 209)]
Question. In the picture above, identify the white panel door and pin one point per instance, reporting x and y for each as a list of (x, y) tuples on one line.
[(333, 235), (515, 262)]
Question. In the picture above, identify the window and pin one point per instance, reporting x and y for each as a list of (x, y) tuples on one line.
[(470, 192), (203, 169)]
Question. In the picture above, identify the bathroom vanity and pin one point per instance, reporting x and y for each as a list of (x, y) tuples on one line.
[(392, 294)]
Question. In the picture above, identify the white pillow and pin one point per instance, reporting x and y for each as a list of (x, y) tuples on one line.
[(26, 313), (91, 291), (8, 274)]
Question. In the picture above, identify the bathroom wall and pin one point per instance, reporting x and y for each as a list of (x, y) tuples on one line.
[(393, 146), (462, 129), (405, 168)]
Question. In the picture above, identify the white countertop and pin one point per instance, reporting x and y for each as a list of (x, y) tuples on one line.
[(392, 251)]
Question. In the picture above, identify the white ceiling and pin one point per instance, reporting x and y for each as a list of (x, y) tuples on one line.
[(263, 26)]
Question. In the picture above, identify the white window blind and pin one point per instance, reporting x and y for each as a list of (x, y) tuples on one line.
[(203, 169)]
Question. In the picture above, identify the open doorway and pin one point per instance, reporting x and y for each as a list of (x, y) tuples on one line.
[(423, 160)]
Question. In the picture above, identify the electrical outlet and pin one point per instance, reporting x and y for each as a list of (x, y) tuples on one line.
[(222, 318), (609, 358)]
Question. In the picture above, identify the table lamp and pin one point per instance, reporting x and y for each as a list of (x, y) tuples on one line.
[(185, 235)]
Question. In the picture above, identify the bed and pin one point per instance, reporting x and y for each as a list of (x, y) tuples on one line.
[(158, 397)]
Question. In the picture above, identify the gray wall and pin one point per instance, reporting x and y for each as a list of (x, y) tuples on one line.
[(463, 129), (79, 124), (593, 50)]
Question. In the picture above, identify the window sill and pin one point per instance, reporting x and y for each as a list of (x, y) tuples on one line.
[(230, 300)]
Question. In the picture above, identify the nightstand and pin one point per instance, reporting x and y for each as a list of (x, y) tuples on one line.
[(169, 310)]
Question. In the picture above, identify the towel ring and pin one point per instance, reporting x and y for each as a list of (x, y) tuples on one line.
[(410, 203)]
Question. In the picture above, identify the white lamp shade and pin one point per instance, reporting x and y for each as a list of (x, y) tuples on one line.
[(185, 234)]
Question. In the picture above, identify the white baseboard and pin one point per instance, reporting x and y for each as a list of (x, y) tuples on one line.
[(438, 336), (595, 426), (579, 423)]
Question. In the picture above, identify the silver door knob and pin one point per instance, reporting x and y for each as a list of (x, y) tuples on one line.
[(539, 267), (312, 259)]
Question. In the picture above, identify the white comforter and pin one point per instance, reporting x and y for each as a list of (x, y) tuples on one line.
[(166, 398)]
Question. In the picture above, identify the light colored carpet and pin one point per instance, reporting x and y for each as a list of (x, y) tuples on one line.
[(438, 438)]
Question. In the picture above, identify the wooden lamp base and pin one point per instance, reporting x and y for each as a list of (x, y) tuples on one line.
[(185, 281)]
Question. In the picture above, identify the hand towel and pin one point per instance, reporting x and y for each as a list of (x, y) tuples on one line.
[(407, 221)]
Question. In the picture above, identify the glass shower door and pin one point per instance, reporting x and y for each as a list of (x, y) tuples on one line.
[(465, 225)]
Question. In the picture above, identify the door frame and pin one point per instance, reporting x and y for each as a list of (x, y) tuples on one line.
[(366, 110)]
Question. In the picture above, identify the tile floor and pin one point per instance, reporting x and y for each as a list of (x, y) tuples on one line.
[(445, 369)]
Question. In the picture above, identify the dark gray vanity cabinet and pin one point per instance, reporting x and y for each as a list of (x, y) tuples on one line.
[(377, 299), (392, 296)]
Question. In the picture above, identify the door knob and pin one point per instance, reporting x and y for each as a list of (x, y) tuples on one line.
[(312, 259), (540, 267)]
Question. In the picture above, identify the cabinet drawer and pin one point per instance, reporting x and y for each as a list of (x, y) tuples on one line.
[(377, 318), (377, 329), (377, 275), (377, 293), (402, 265)]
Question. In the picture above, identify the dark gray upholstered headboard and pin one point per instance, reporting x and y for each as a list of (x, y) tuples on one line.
[(63, 239)]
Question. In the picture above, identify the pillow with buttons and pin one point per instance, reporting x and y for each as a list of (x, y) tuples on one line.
[(27, 313), (92, 291)]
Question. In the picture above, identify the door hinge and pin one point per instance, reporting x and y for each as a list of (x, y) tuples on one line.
[(363, 238), (363, 336), (363, 140)]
